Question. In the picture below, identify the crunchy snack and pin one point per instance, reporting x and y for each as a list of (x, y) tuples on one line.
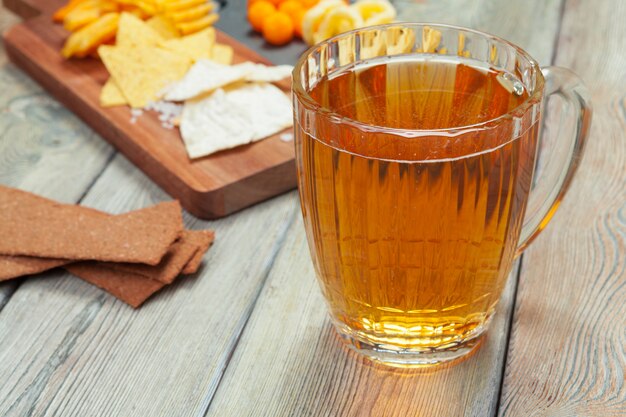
[(206, 76), (233, 116), (163, 27), (179, 255), (194, 47), (205, 242), (111, 95), (222, 54), (142, 72), (19, 266), (192, 13), (35, 226), (85, 41), (166, 18), (134, 32), (192, 26), (88, 12), (131, 288)]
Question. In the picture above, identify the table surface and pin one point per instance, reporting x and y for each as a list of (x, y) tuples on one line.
[(249, 335)]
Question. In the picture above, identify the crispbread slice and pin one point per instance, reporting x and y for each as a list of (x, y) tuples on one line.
[(184, 256), (131, 288), (208, 236), (34, 226), (173, 262), (18, 266)]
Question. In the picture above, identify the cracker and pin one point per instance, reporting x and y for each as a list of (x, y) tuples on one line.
[(206, 76), (18, 266), (131, 288), (233, 116), (179, 255), (184, 256), (35, 226), (208, 236)]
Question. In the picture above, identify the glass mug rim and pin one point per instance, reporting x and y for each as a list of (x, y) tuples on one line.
[(310, 104)]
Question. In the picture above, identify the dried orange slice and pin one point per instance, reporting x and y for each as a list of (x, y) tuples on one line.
[(338, 20), (314, 17), (375, 12)]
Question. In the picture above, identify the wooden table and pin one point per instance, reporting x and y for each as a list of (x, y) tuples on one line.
[(249, 336)]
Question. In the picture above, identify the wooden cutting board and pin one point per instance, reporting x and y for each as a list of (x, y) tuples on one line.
[(209, 187)]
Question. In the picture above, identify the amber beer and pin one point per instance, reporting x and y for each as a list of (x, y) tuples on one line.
[(416, 147), (414, 248)]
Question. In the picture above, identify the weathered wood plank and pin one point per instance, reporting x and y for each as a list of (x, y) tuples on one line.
[(67, 348), (567, 354), (533, 25), (289, 361), (43, 147)]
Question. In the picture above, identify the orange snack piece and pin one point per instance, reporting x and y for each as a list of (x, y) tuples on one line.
[(258, 12), (278, 28), (308, 3), (291, 7), (297, 22), (60, 14)]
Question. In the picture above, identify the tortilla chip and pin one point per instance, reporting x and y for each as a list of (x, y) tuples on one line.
[(163, 27), (195, 47), (111, 95), (142, 72), (133, 32), (222, 54)]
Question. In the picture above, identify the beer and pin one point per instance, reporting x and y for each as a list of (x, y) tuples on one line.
[(413, 230)]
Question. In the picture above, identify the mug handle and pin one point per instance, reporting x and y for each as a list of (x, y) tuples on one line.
[(570, 139)]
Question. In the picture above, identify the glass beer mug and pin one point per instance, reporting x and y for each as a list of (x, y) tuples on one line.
[(416, 146)]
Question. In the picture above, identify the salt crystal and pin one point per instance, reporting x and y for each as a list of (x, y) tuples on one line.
[(167, 112), (286, 137)]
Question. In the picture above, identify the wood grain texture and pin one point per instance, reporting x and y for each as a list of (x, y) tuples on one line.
[(43, 147), (567, 353), (69, 349), (289, 361), (533, 25), (209, 187), (27, 9)]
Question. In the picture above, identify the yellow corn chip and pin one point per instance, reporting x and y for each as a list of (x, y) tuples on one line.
[(87, 39), (158, 4), (193, 13), (195, 47), (176, 5), (222, 54), (111, 95), (163, 27), (197, 25), (133, 31), (141, 73)]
